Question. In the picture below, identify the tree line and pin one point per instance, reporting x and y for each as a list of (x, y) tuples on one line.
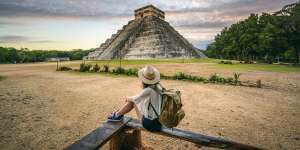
[(24, 55), (268, 37)]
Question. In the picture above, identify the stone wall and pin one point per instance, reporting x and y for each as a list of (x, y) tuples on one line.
[(149, 10)]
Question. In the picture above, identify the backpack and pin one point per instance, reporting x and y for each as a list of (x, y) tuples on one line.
[(171, 112)]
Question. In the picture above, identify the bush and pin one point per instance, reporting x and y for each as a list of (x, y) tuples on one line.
[(225, 62), (85, 67), (132, 72), (106, 68), (119, 70), (236, 78), (217, 78), (182, 76), (229, 80), (179, 76), (198, 79), (64, 68), (96, 68), (162, 76)]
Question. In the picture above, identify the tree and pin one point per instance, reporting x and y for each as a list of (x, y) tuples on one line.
[(12, 55), (264, 37)]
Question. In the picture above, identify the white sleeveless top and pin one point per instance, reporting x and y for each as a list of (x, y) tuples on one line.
[(142, 101)]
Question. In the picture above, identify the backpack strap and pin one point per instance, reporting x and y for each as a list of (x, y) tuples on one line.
[(153, 109), (160, 92)]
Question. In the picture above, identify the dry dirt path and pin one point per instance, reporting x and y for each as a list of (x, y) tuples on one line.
[(44, 109)]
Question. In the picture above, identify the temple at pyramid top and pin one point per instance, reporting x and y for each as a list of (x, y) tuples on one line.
[(149, 10), (147, 36)]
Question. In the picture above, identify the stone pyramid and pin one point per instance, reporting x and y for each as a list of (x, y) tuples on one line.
[(147, 36)]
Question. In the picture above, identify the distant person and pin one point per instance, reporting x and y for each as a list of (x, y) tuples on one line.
[(147, 103)]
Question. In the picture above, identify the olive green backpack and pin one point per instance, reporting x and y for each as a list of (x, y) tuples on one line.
[(171, 112)]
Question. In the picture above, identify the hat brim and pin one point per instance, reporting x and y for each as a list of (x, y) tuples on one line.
[(147, 81)]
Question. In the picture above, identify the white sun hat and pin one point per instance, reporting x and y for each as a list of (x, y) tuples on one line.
[(149, 75)]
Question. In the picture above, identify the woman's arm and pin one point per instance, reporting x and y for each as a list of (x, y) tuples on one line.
[(128, 99)]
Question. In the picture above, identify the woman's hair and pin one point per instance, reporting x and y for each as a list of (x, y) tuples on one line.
[(148, 85)]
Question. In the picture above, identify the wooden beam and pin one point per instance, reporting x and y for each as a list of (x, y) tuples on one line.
[(99, 137), (196, 138)]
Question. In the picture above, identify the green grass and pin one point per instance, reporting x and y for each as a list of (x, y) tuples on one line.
[(203, 63), (2, 77), (116, 62), (257, 67)]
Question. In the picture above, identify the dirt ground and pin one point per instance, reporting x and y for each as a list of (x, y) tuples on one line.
[(44, 109)]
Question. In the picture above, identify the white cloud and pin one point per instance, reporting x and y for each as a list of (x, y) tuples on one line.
[(197, 20)]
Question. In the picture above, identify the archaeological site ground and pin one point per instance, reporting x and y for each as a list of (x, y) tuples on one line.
[(45, 109)]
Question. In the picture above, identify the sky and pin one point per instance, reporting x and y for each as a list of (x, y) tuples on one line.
[(85, 24)]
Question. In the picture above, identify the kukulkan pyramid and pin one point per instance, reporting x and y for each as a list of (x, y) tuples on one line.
[(147, 36)]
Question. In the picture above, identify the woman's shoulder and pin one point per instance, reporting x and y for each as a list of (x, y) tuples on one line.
[(146, 91), (149, 89)]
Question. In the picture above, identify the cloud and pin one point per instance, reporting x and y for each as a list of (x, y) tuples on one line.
[(118, 8), (13, 39), (64, 9), (206, 25), (197, 20), (21, 39), (10, 23), (222, 13), (42, 41)]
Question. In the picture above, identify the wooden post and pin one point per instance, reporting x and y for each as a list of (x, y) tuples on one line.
[(258, 83), (126, 140), (57, 65), (116, 142)]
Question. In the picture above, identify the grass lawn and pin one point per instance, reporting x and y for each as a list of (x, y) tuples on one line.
[(257, 67), (203, 63), (125, 62)]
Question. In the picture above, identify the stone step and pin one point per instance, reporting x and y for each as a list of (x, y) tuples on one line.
[(152, 42), (158, 47)]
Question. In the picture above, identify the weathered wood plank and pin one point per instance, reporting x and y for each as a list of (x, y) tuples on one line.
[(99, 137), (196, 138)]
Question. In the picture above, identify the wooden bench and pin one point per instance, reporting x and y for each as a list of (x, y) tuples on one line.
[(127, 135)]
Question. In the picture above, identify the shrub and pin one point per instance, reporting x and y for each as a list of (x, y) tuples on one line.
[(132, 72), (182, 76), (258, 84), (106, 68), (96, 68), (200, 79), (64, 68), (236, 78), (162, 76), (225, 62), (229, 80), (81, 68), (85, 67), (119, 70), (216, 78), (179, 76)]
